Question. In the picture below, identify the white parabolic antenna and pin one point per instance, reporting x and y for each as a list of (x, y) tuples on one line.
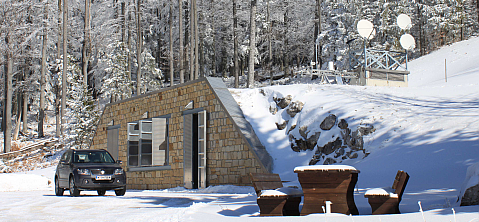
[(407, 42), (403, 21), (366, 29)]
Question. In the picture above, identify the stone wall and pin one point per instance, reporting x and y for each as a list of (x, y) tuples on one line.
[(229, 156)]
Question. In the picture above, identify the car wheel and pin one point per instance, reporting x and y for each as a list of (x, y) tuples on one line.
[(120, 192), (101, 192), (58, 190), (74, 192)]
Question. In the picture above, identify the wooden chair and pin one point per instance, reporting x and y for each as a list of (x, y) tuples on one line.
[(386, 200), (274, 199)]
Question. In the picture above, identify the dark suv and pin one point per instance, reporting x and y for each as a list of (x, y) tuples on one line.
[(89, 170)]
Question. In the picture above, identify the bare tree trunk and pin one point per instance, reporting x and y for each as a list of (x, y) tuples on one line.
[(57, 87), (422, 43), (477, 7), (138, 49), (123, 22), (235, 52), (170, 23), (213, 36), (25, 112), (17, 127), (317, 31), (7, 133), (252, 44), (65, 65), (129, 52), (181, 51), (285, 41), (41, 115), (86, 44), (270, 48), (192, 40), (197, 67)]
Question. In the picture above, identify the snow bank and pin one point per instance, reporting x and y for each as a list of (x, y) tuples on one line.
[(222, 189), (24, 182)]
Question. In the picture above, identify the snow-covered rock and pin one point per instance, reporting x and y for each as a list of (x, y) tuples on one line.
[(470, 188)]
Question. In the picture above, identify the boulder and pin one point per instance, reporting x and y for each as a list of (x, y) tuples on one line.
[(471, 196), (343, 124), (294, 108), (283, 102), (353, 156), (303, 131), (329, 161), (281, 126), (366, 130), (328, 122), (273, 109), (313, 140), (291, 128), (330, 147)]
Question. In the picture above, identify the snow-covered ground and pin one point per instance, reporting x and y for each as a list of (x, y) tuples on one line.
[(429, 129)]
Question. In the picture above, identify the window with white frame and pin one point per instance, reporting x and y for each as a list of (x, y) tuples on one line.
[(148, 142)]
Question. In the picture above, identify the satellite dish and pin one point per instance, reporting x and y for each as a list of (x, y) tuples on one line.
[(403, 21), (407, 42), (366, 29)]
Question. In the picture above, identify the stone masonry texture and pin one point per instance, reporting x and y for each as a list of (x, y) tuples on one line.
[(229, 156)]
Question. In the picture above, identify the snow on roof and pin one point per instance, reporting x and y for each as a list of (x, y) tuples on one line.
[(324, 168)]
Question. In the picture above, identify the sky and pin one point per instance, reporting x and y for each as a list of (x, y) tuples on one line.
[(429, 129)]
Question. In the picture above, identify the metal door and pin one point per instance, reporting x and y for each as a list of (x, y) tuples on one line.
[(202, 150), (113, 133), (188, 151)]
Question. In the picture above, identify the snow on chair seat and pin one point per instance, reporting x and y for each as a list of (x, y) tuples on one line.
[(274, 199), (283, 191), (385, 191), (386, 200)]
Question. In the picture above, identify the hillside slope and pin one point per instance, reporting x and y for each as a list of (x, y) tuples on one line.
[(429, 129)]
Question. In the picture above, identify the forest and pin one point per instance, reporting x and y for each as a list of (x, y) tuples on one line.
[(63, 59)]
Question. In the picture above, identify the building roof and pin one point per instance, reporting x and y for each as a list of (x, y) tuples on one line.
[(231, 107)]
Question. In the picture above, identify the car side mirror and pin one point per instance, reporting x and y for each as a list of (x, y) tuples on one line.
[(119, 161), (63, 162)]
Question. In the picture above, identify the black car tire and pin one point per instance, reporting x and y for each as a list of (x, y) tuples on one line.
[(58, 190), (120, 192), (101, 192), (74, 192)]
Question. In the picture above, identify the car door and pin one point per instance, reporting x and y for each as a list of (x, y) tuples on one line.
[(64, 168)]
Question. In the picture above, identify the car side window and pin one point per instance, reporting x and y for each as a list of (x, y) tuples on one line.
[(64, 156), (67, 156)]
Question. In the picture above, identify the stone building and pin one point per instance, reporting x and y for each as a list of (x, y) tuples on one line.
[(191, 135)]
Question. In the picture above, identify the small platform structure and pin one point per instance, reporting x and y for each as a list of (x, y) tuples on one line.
[(379, 67), (334, 183), (386, 200)]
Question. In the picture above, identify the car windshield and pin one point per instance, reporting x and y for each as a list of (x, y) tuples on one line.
[(92, 157)]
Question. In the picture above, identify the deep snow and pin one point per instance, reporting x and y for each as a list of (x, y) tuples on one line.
[(429, 129)]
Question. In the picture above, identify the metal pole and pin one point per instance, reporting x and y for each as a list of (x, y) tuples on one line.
[(445, 70), (365, 57)]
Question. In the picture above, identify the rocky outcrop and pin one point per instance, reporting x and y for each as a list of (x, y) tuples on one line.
[(283, 102), (348, 145), (345, 144), (294, 108)]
